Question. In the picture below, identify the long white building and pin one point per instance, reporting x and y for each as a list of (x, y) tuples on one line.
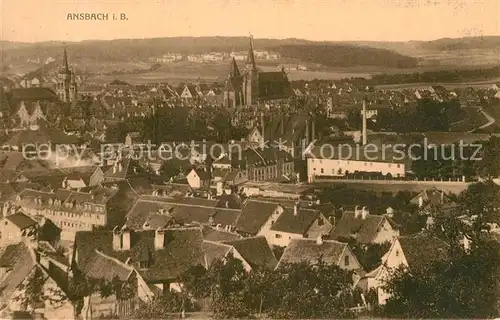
[(325, 162)]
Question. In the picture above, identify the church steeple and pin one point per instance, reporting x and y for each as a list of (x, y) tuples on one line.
[(233, 69), (251, 57), (65, 62)]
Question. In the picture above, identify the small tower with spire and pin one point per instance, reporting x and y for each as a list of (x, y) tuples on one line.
[(251, 78), (66, 82)]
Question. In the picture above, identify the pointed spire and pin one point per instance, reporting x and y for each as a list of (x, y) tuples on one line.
[(251, 56), (65, 62), (233, 69)]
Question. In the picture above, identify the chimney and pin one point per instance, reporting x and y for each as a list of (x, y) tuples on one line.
[(159, 239), (117, 239), (364, 212), (364, 133), (319, 240), (420, 201), (114, 168), (357, 212), (442, 197), (296, 208), (120, 167)]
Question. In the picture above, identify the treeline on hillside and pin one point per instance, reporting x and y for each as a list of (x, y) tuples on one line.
[(346, 55), (436, 76), (141, 49), (428, 115), (466, 43)]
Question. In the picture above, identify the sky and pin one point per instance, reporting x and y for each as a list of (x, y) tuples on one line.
[(332, 20)]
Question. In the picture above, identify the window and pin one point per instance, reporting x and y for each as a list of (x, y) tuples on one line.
[(346, 260), (278, 236), (272, 222), (320, 222), (397, 253), (399, 166), (322, 170)]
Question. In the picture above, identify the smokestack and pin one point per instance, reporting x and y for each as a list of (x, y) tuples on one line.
[(313, 134), (364, 122), (262, 125), (307, 131), (283, 124)]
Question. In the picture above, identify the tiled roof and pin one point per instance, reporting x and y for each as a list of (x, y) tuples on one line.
[(43, 135), (21, 220), (308, 250), (20, 263), (259, 157), (255, 251), (423, 249), (218, 235), (254, 215), (299, 224), (215, 251), (363, 230), (103, 267), (183, 210), (182, 249), (30, 94)]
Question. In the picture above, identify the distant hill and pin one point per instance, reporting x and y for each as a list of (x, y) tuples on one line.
[(466, 43), (326, 53)]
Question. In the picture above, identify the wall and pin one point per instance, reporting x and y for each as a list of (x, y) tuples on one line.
[(9, 232), (353, 261)]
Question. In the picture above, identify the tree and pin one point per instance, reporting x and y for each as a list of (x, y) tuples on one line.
[(465, 287), (161, 307)]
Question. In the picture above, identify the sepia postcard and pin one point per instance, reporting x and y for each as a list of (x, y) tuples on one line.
[(249, 159)]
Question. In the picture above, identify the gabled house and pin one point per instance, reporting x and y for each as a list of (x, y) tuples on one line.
[(123, 169), (313, 250), (413, 252), (254, 252), (429, 198), (160, 256), (256, 216), (199, 178), (83, 177), (365, 227), (296, 223), (17, 227)]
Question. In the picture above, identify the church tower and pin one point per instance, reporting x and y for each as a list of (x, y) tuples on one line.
[(251, 78), (66, 87)]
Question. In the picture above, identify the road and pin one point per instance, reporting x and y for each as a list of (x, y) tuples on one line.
[(490, 119)]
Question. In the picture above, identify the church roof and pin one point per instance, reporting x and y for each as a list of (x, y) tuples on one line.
[(33, 94)]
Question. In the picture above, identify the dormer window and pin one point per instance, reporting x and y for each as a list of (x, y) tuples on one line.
[(346, 260)]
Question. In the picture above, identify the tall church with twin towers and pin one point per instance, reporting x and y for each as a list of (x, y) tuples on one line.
[(253, 86)]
